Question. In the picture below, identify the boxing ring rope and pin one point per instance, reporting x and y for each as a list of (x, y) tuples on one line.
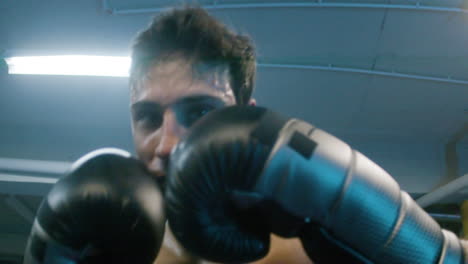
[(19, 177), (12, 184), (34, 166), (444, 192), (29, 177), (319, 4)]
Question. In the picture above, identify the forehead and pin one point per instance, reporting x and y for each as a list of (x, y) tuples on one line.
[(167, 81)]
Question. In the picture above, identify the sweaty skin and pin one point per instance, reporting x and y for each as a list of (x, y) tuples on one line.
[(161, 116)]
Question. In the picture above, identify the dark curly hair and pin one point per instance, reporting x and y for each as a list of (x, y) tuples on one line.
[(193, 33)]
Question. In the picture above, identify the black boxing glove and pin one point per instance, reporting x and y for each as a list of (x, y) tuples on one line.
[(243, 172), (107, 209), (215, 159)]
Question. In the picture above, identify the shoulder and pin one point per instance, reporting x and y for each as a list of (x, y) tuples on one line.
[(281, 251)]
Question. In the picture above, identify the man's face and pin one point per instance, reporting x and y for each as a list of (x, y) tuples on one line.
[(173, 95)]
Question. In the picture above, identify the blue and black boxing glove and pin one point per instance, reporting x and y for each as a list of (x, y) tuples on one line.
[(245, 172)]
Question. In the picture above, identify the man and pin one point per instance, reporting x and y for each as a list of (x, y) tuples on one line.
[(108, 209), (185, 64)]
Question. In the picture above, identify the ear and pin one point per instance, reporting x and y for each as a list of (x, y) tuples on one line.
[(252, 102)]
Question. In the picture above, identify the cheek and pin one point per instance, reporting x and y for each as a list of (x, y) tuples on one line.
[(145, 143)]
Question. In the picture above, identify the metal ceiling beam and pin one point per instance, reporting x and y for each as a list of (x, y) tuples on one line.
[(331, 68), (319, 4)]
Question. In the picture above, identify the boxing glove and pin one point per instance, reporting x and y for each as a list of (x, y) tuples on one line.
[(243, 172), (107, 209)]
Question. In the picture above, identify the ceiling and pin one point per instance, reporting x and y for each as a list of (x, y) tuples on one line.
[(371, 69), (60, 117)]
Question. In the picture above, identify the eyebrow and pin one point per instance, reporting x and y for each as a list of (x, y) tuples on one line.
[(184, 100), (198, 99), (145, 105)]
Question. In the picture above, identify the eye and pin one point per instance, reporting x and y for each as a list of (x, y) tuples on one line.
[(199, 111), (148, 120), (151, 121), (194, 113), (190, 109)]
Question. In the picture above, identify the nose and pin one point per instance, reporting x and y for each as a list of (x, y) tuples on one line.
[(171, 132)]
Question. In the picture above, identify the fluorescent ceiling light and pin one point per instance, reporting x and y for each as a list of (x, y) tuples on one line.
[(70, 65)]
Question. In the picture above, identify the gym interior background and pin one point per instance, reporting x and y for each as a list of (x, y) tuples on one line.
[(389, 77)]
